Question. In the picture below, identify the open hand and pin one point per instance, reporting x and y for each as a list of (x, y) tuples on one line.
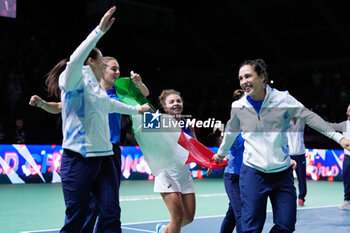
[(106, 21), (294, 164), (345, 143)]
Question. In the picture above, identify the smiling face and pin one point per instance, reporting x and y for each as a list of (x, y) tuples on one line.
[(111, 73), (348, 112), (252, 84), (173, 104)]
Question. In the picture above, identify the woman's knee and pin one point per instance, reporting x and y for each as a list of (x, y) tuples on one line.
[(177, 216), (178, 219)]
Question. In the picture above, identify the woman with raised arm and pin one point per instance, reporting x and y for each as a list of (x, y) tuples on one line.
[(111, 73), (87, 165)]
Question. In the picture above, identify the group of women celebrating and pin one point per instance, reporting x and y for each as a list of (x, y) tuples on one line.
[(91, 164)]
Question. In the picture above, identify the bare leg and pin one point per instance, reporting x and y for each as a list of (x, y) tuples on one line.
[(176, 209), (189, 204)]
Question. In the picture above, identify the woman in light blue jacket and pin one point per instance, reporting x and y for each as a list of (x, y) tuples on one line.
[(87, 162), (262, 116)]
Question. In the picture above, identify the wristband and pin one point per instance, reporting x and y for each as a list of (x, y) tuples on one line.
[(42, 104), (139, 85)]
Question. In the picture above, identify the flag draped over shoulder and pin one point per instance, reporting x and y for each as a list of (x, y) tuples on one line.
[(163, 149)]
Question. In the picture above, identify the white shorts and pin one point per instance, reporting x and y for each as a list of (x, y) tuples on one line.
[(177, 179)]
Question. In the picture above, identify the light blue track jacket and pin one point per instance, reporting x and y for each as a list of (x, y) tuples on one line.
[(266, 144), (85, 105)]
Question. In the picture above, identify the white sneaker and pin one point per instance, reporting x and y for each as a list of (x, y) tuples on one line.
[(345, 205), (160, 228)]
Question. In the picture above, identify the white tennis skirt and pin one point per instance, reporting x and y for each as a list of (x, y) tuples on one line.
[(177, 179)]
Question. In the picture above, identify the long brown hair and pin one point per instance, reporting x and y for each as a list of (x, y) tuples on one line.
[(52, 78)]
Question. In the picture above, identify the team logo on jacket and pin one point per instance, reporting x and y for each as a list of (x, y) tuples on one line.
[(152, 120)]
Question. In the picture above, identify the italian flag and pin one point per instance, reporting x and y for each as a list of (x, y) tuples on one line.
[(163, 149)]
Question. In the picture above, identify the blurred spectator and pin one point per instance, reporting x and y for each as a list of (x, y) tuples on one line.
[(18, 135), (14, 93), (215, 138)]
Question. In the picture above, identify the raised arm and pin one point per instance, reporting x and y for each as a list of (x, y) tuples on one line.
[(71, 77), (51, 107), (136, 78)]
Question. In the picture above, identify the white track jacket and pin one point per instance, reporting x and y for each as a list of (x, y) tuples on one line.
[(295, 137), (343, 127), (266, 144)]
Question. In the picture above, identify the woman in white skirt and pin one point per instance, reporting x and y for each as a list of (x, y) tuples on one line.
[(176, 185)]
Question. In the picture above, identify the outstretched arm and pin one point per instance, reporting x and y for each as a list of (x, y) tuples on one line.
[(119, 107), (339, 127), (296, 109), (51, 107)]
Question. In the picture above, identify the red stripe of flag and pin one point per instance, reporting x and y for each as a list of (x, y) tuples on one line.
[(199, 153)]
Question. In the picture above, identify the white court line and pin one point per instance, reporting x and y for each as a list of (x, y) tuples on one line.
[(167, 220), (140, 198), (218, 216), (158, 197), (142, 230), (40, 231), (316, 207), (145, 222)]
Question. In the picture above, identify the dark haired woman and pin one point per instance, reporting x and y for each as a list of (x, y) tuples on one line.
[(176, 185), (262, 116)]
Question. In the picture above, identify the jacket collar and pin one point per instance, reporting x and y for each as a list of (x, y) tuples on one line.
[(87, 71)]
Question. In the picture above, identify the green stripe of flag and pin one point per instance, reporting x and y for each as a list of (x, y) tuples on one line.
[(129, 94)]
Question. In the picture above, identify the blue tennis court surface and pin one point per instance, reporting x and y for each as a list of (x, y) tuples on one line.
[(309, 220)]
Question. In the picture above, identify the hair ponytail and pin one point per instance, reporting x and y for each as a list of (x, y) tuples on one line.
[(52, 78)]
